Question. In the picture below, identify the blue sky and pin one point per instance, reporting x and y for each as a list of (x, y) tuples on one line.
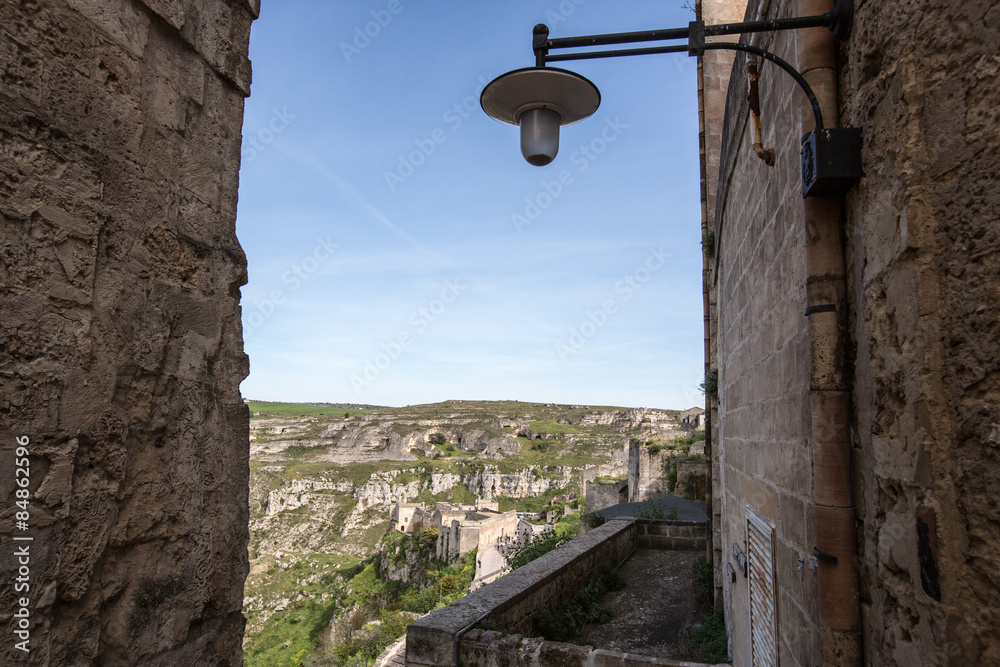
[(400, 249)]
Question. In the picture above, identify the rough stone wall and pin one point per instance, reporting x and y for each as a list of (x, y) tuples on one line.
[(600, 496), (497, 649), (923, 250), (762, 444), (493, 530), (691, 479), (647, 472), (120, 346), (671, 535), (923, 281)]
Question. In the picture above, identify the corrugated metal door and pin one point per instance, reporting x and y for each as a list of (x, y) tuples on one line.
[(763, 594)]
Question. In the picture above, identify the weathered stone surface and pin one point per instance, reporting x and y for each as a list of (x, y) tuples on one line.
[(923, 272), (120, 348), (924, 250)]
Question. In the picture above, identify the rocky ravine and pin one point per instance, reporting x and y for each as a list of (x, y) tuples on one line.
[(321, 485)]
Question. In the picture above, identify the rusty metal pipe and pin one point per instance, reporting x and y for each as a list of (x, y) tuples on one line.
[(765, 154), (826, 293)]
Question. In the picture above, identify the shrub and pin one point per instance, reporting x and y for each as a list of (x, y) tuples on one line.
[(448, 583), (428, 538), (654, 513), (704, 578), (538, 547), (672, 477), (436, 438), (711, 384), (711, 639), (708, 243), (566, 620)]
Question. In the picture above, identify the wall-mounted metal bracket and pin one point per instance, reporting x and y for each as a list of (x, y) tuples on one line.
[(741, 559), (696, 38), (831, 157)]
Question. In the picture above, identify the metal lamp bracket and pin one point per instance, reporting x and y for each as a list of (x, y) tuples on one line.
[(831, 157)]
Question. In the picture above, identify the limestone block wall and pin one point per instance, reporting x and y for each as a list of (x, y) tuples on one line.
[(647, 472), (923, 250), (672, 535), (600, 496), (691, 477), (923, 273), (120, 339), (494, 529), (762, 445)]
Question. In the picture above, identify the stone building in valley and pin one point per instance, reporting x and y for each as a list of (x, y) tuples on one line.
[(409, 518), (462, 529), (692, 418)]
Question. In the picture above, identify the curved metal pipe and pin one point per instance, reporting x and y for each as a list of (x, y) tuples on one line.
[(794, 73)]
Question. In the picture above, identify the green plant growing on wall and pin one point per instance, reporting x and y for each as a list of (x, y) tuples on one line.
[(566, 620), (710, 386), (704, 579), (428, 537), (672, 477), (656, 513), (708, 244), (711, 640)]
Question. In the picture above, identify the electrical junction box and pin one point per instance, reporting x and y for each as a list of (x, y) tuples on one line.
[(831, 161)]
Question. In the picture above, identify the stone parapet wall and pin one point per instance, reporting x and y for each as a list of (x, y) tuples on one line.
[(672, 535), (512, 600), (121, 342), (494, 649)]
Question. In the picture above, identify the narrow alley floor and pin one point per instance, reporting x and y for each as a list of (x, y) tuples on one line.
[(656, 609)]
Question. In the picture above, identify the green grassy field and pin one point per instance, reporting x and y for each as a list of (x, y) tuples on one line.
[(266, 408)]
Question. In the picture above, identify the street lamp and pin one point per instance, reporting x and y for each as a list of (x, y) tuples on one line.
[(541, 99)]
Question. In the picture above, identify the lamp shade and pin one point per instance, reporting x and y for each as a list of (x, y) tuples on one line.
[(540, 135), (540, 100)]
